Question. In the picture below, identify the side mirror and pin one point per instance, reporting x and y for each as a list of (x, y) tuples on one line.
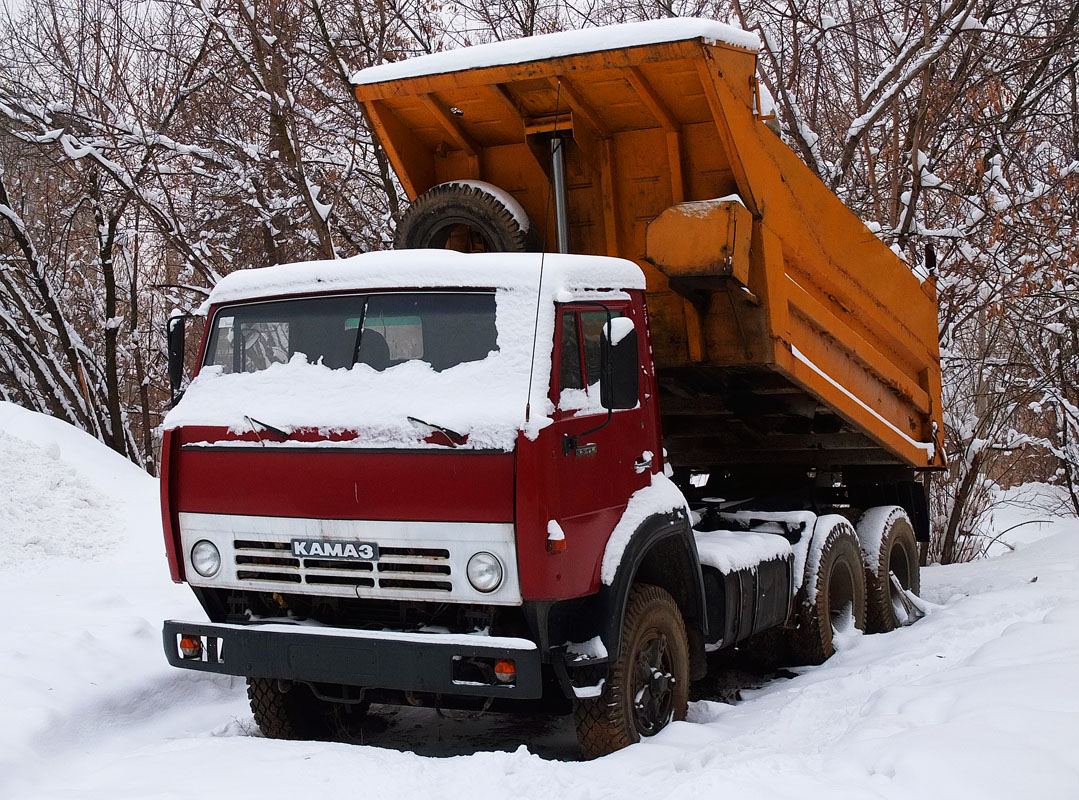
[(175, 335), (619, 366)]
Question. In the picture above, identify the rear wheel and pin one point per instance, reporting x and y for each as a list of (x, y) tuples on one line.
[(833, 596), (890, 548), (468, 217), (649, 684)]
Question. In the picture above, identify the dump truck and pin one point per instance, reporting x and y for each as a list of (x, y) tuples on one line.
[(633, 388)]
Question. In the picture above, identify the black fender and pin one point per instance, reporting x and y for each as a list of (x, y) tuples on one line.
[(669, 534)]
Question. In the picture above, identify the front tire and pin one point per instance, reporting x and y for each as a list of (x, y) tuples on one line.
[(649, 684), (289, 710)]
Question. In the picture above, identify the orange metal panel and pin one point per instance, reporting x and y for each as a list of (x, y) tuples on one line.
[(678, 85), (693, 240), (411, 160), (457, 133), (829, 394), (808, 307), (726, 135), (775, 285), (832, 256)]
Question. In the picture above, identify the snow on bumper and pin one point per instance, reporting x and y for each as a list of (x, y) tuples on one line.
[(419, 662)]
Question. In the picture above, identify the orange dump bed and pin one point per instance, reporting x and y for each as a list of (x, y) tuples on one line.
[(784, 331)]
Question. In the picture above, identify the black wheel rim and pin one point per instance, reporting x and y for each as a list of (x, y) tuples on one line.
[(841, 596), (653, 684), (899, 564), (461, 234)]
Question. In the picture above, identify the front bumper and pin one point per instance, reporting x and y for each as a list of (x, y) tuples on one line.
[(417, 662)]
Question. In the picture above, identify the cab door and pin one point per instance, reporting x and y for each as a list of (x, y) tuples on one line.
[(595, 463)]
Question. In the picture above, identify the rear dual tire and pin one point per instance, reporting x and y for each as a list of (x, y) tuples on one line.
[(893, 549), (834, 595)]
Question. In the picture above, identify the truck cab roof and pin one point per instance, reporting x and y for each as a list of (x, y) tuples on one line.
[(564, 276)]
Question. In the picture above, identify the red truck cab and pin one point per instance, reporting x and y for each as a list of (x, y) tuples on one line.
[(401, 472)]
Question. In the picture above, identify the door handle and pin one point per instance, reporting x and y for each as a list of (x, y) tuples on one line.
[(570, 446), (642, 464)]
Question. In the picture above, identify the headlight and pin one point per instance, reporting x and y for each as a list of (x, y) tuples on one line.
[(205, 558), (484, 572)]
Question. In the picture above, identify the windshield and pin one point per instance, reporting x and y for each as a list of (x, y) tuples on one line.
[(443, 329)]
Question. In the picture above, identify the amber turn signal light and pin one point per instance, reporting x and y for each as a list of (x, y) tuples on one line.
[(506, 671), (191, 646)]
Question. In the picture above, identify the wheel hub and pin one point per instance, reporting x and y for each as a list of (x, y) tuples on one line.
[(653, 686)]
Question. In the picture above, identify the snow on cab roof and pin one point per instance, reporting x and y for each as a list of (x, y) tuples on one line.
[(432, 269), (566, 43)]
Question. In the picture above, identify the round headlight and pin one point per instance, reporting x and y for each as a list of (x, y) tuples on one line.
[(205, 558), (484, 572)]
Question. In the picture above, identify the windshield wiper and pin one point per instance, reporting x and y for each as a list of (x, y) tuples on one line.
[(256, 424), (453, 437)]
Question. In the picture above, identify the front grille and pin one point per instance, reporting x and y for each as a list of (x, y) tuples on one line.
[(412, 568)]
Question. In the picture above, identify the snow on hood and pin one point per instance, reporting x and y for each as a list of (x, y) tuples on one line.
[(484, 400), (566, 43)]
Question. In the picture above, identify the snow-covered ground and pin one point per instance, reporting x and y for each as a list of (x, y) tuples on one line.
[(977, 700)]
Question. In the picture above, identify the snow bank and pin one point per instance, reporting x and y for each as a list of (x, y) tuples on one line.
[(57, 489), (84, 585), (48, 509), (108, 471), (975, 702), (566, 43)]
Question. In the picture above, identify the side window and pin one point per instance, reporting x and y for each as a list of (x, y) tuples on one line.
[(578, 388), (222, 345), (592, 323)]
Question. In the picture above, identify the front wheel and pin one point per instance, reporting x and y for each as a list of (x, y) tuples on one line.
[(289, 710), (649, 684)]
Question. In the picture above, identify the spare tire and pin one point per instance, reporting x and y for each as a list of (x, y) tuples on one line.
[(469, 216)]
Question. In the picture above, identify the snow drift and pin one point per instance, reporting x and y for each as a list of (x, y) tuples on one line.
[(978, 700)]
